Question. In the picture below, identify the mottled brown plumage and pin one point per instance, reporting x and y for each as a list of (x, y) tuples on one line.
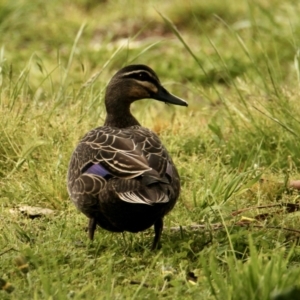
[(120, 175)]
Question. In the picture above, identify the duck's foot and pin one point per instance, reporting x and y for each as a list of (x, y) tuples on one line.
[(158, 227), (91, 228)]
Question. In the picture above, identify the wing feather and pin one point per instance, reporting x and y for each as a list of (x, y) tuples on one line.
[(123, 153)]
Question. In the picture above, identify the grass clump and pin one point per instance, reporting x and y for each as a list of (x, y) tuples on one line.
[(233, 233)]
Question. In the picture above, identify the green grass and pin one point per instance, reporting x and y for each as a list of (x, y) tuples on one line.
[(236, 146)]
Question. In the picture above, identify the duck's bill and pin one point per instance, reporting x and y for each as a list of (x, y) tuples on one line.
[(165, 96)]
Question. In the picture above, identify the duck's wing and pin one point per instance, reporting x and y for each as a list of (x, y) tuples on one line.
[(107, 152), (116, 152), (155, 153)]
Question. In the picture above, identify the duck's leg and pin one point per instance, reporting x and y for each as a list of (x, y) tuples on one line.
[(158, 227), (91, 228)]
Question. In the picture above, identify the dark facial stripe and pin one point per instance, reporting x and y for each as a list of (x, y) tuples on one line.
[(142, 75)]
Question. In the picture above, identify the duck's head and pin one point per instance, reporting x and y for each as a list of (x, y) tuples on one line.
[(135, 82)]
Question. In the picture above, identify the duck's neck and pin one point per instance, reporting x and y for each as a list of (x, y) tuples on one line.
[(118, 107), (120, 118)]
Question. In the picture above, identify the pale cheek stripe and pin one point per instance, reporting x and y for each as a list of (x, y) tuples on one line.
[(151, 87)]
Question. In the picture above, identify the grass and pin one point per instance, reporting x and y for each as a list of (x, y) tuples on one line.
[(236, 146)]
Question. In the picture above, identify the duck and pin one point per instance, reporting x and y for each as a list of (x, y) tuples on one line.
[(120, 175)]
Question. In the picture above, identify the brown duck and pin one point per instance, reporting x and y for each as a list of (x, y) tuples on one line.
[(120, 174)]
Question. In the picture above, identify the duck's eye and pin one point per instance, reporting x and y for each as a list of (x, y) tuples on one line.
[(143, 76)]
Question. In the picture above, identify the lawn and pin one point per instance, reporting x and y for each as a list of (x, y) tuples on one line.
[(234, 233)]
